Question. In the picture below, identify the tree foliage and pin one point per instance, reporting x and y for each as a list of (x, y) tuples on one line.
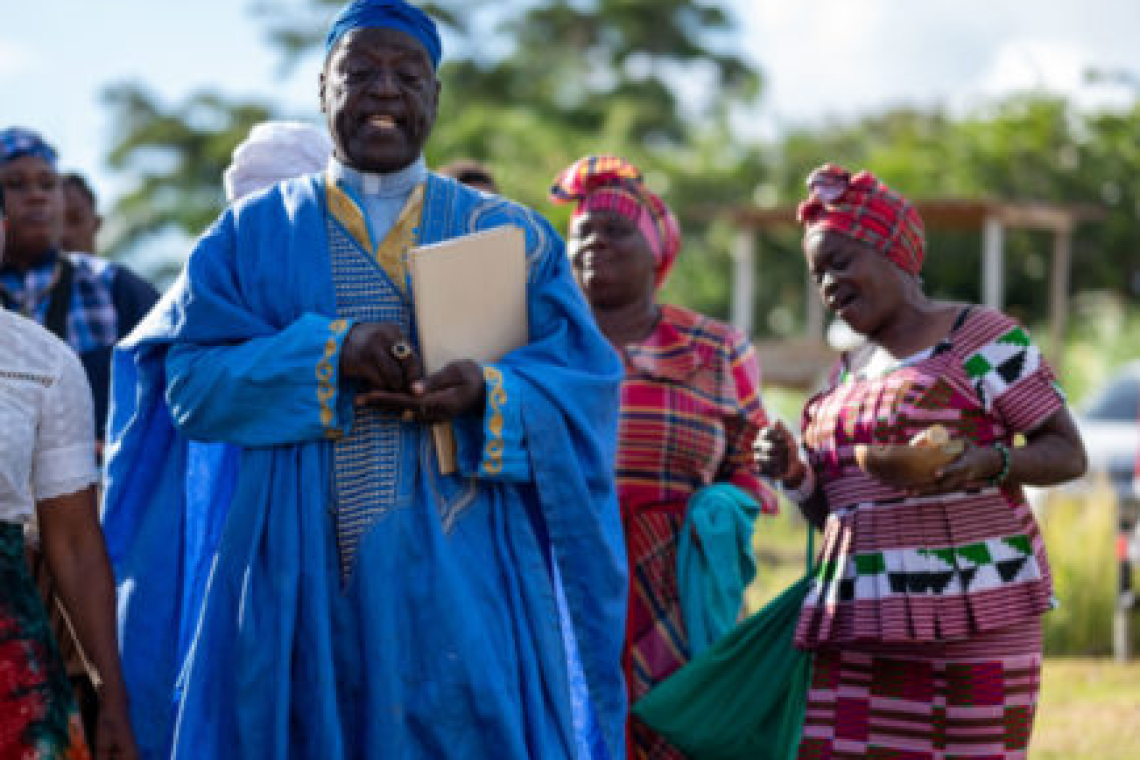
[(176, 156), (527, 88), (531, 85), (1028, 147)]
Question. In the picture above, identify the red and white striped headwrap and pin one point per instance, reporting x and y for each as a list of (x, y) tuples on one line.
[(609, 183), (864, 208)]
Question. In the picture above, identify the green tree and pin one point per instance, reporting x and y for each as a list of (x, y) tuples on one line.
[(176, 155), (638, 78), (530, 85), (527, 88), (1027, 147)]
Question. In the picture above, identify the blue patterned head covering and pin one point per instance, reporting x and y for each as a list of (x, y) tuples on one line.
[(387, 14), (17, 142)]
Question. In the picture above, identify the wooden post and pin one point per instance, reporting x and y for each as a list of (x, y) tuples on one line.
[(743, 280), (993, 264), (1059, 294)]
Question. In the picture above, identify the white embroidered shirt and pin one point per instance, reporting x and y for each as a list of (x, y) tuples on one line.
[(47, 445)]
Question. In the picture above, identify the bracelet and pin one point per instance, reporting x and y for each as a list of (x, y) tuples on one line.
[(1003, 473)]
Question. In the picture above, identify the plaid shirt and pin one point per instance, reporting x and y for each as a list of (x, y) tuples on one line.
[(690, 410), (92, 321)]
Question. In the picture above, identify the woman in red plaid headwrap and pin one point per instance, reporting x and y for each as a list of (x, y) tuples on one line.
[(925, 618), (690, 410)]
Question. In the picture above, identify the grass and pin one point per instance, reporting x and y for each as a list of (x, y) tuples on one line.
[(1080, 535), (778, 544), (1089, 710)]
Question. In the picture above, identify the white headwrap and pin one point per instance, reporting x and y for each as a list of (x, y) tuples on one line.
[(275, 150)]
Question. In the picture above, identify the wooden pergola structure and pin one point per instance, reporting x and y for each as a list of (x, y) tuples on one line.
[(990, 217)]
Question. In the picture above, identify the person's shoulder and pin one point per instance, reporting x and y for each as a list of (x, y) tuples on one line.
[(281, 196), (133, 297), (988, 315), (91, 265), (97, 267), (718, 335), (17, 327), (126, 285), (682, 318), (712, 342), (984, 325), (33, 348), (265, 215), (486, 210)]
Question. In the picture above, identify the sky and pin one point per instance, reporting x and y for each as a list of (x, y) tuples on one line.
[(821, 60)]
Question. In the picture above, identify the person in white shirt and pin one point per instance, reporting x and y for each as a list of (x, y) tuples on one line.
[(275, 151), (48, 471)]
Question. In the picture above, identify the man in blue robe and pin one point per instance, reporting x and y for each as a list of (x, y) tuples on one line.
[(297, 578)]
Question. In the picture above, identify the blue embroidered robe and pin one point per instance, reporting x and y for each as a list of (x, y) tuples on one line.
[(243, 634)]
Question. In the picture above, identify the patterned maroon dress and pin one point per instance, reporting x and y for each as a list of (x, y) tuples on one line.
[(925, 616), (38, 718), (690, 410)]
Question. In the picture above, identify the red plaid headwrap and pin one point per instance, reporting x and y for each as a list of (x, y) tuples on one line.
[(609, 183), (865, 209)]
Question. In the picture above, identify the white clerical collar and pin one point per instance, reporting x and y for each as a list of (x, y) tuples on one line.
[(394, 184)]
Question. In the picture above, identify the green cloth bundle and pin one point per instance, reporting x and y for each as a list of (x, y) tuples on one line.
[(744, 697)]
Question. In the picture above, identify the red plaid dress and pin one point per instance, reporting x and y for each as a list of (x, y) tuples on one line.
[(925, 616), (690, 410)]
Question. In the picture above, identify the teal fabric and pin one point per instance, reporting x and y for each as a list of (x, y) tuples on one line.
[(744, 698), (714, 561)]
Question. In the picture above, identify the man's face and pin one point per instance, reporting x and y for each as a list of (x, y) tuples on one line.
[(33, 201), (379, 94), (80, 222)]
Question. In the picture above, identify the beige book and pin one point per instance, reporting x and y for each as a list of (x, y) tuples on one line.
[(470, 302)]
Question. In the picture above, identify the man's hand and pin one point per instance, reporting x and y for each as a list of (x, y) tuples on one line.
[(441, 396), (380, 356)]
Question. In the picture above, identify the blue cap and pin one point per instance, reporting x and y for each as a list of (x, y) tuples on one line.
[(17, 142), (387, 14)]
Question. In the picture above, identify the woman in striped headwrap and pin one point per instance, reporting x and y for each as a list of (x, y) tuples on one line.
[(690, 410), (925, 618)]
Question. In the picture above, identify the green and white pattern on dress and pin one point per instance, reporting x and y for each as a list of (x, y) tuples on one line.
[(972, 568), (998, 365)]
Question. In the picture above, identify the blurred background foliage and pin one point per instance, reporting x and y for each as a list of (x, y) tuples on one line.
[(530, 85)]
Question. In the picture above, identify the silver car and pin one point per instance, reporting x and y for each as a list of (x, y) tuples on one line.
[(1109, 422), (1110, 426)]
